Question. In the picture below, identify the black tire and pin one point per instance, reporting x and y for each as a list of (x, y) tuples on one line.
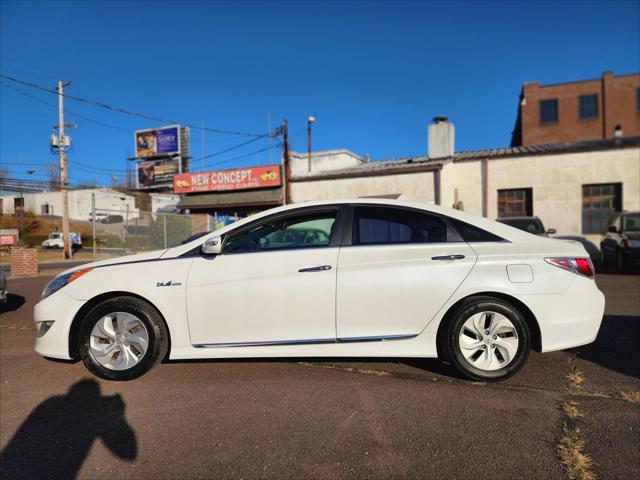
[(461, 314), (156, 329)]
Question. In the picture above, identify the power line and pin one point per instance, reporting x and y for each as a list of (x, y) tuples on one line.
[(73, 114), (95, 103), (244, 155)]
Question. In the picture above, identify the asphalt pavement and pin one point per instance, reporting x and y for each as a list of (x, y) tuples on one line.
[(304, 418)]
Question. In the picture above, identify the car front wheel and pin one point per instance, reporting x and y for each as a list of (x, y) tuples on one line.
[(122, 338), (487, 339)]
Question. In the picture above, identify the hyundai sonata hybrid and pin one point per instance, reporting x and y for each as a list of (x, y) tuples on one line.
[(352, 278)]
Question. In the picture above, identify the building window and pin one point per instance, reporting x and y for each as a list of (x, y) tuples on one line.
[(638, 100), (515, 202), (549, 111), (18, 205), (598, 203), (588, 106)]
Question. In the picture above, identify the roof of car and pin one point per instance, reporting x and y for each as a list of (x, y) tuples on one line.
[(500, 219)]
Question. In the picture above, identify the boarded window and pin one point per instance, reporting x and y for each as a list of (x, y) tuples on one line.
[(598, 203), (515, 202)]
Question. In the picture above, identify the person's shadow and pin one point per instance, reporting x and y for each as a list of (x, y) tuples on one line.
[(55, 439)]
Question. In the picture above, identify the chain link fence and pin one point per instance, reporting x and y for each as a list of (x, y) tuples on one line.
[(120, 232)]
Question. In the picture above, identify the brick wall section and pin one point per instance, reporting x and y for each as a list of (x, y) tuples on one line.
[(23, 261), (617, 105)]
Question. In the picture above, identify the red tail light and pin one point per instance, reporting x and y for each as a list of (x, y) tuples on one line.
[(581, 266)]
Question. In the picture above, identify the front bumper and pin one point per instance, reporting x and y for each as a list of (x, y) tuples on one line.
[(61, 309)]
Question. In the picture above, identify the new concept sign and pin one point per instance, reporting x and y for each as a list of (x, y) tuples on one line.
[(221, 180), (158, 142), (154, 173)]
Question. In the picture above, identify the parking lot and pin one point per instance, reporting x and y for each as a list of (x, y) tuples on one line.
[(304, 418)]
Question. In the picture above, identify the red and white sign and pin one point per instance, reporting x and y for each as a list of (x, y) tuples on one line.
[(8, 240), (224, 180)]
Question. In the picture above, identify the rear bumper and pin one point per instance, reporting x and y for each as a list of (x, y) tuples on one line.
[(61, 309), (568, 319)]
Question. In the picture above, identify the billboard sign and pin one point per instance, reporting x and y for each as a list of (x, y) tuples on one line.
[(156, 173), (158, 142), (226, 180)]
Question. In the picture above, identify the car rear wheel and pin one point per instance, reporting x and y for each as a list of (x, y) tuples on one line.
[(122, 338), (487, 339)]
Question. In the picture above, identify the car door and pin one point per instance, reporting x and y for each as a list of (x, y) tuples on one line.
[(401, 267), (274, 282)]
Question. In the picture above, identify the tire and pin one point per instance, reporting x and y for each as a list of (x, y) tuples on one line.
[(122, 338), (487, 357)]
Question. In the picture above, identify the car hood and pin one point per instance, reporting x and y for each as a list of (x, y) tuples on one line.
[(140, 257)]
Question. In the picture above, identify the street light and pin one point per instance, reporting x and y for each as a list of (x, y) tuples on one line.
[(310, 120)]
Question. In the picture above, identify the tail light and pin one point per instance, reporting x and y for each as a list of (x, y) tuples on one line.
[(581, 266)]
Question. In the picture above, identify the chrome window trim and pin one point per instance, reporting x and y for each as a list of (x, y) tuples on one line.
[(305, 342)]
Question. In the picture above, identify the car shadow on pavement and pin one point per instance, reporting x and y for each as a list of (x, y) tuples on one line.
[(56, 438), (617, 346), (14, 302)]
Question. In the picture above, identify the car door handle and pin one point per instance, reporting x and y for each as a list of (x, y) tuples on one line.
[(320, 268), (448, 257)]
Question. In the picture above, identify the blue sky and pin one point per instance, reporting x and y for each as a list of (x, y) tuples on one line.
[(374, 73)]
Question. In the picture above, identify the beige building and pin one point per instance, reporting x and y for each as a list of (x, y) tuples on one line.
[(572, 187)]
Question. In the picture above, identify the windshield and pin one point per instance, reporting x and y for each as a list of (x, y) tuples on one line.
[(631, 222), (54, 236), (531, 225)]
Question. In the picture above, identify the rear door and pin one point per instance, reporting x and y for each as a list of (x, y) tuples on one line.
[(399, 268)]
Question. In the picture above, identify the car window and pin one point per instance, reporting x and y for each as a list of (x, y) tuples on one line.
[(384, 225), (301, 231), (470, 233), (631, 222), (531, 225)]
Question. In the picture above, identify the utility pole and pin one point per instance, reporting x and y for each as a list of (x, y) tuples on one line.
[(287, 162), (66, 251)]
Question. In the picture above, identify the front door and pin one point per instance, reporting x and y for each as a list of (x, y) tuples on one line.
[(399, 271), (274, 282)]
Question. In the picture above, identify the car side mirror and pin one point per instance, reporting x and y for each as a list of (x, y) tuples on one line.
[(551, 231), (213, 246), (612, 229)]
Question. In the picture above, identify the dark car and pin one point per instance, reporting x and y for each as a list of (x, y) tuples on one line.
[(112, 219), (620, 245), (4, 295), (528, 224)]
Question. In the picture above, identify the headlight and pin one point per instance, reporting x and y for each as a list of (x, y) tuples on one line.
[(61, 280)]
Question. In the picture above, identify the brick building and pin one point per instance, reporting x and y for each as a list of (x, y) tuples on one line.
[(578, 111)]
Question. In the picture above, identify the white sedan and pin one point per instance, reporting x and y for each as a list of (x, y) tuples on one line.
[(355, 278)]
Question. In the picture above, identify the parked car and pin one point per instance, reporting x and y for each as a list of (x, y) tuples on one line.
[(620, 245), (112, 219), (527, 224), (4, 294), (386, 279), (55, 240)]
